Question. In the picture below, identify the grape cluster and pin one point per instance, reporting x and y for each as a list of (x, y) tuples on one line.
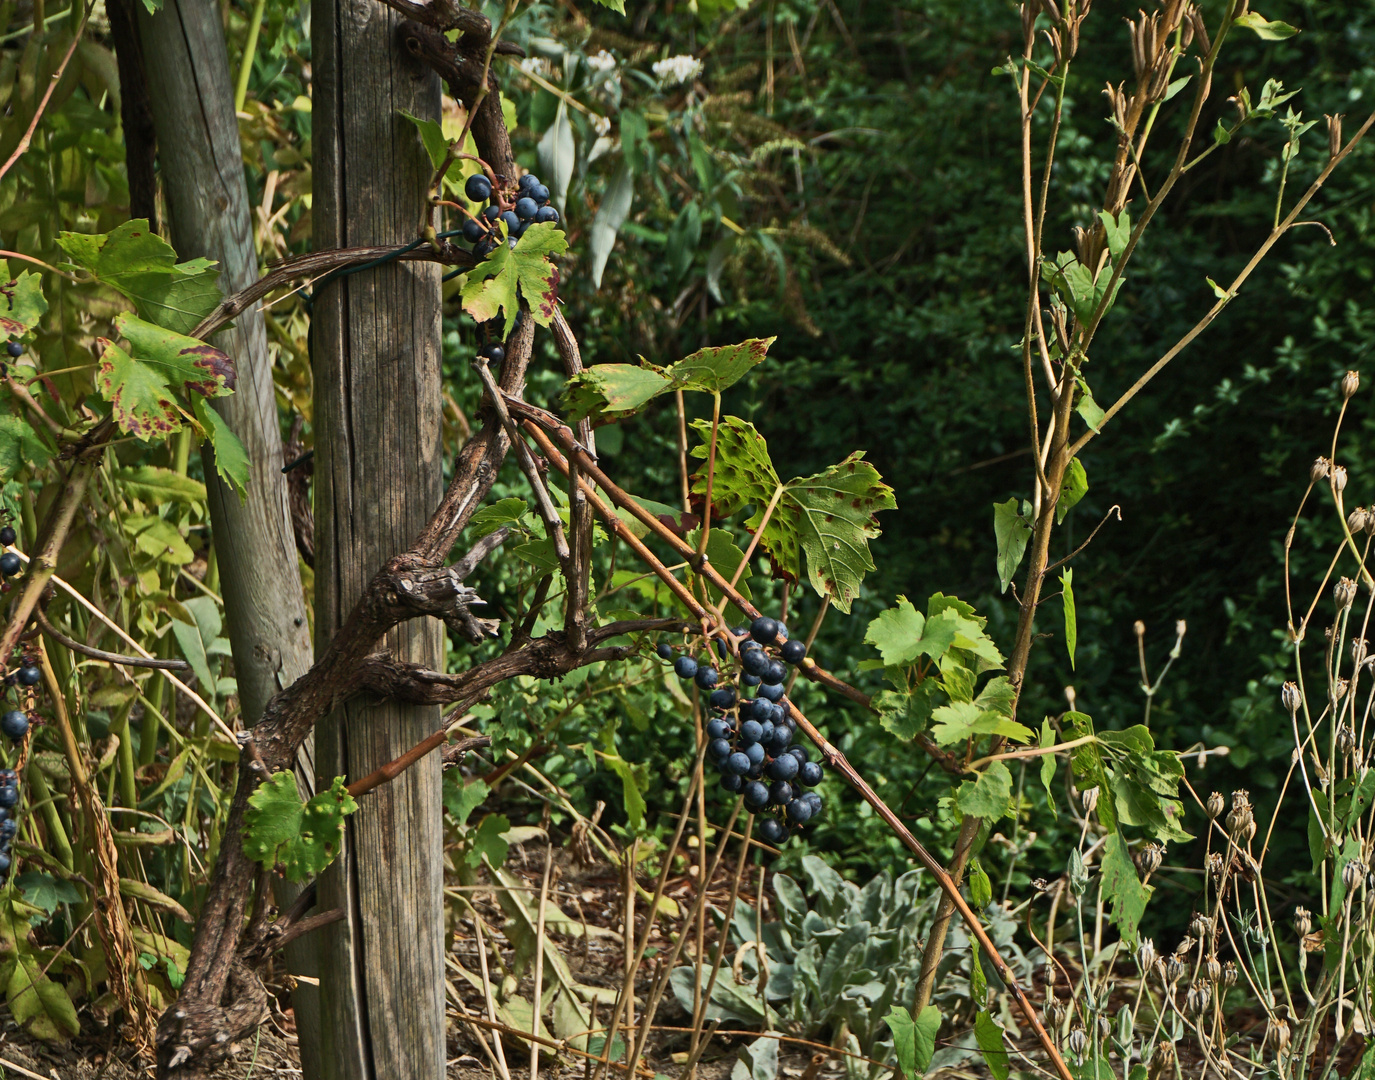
[(751, 739), (531, 208)]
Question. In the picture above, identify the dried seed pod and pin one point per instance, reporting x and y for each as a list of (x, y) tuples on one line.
[(1289, 697), (1174, 970), (1239, 823), (1057, 1010), (1346, 738), (1215, 805), (1276, 1036), (1356, 520), (1339, 686), (1319, 470), (1344, 593), (1212, 969), (1201, 927), (1198, 999), (1077, 1043), (1162, 1061), (1089, 800), (1351, 381), (1145, 955), (1339, 478), (1229, 974), (1104, 1026), (1149, 858), (1334, 137), (1216, 864), (1360, 648), (1352, 874)]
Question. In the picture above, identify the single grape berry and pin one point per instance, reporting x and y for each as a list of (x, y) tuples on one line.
[(766, 731), (665, 651), (7, 536), (718, 749), (473, 231), (814, 800), (756, 771), (773, 831), (732, 783), (9, 796), (4, 864), (539, 193), (775, 675), (14, 348), (526, 208), (793, 651), (756, 662), (494, 353), (484, 249), (8, 777), (779, 743), (749, 680), (546, 213), (723, 698), (718, 729), (478, 188), (764, 630), (756, 795), (751, 732), (779, 715), (10, 564), (7, 830), (491, 213), (14, 724), (772, 692), (780, 793), (685, 667), (737, 763), (755, 753), (783, 767), (527, 181), (810, 774), (799, 810), (800, 752), (29, 676), (706, 677), (512, 222)]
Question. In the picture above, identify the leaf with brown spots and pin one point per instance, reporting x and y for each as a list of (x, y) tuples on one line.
[(21, 302), (185, 363), (509, 274), (138, 393)]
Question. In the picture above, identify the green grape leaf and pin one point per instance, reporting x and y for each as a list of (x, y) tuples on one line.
[(998, 696), (432, 135), (185, 363), (914, 1041), (723, 554), (902, 633), (619, 389), (303, 837), (462, 799), (140, 399), (524, 271), (491, 518), (907, 715), (231, 459), (47, 892), (136, 261), (829, 516), (1122, 888), (1266, 29), (989, 1035), (987, 797), (489, 840), (20, 444), (158, 486), (1073, 487), (1012, 533), (37, 1003), (964, 720), (21, 301)]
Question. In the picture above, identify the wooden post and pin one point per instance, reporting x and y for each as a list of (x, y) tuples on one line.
[(376, 341), (192, 100)]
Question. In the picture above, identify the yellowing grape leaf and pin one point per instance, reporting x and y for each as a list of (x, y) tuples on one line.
[(829, 516), (143, 266), (186, 363), (526, 271), (303, 837), (142, 402), (21, 301)]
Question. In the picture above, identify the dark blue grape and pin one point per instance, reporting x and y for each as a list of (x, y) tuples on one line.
[(665, 651), (756, 795), (8, 777), (810, 774), (773, 831), (539, 193), (783, 634), (526, 208), (484, 249), (732, 783), (512, 222), (722, 649), (7, 536), (771, 691), (756, 771), (10, 564), (755, 662), (9, 796), (685, 667), (793, 651), (526, 182), (738, 763), (783, 767), (814, 801), (798, 812), (7, 831), (755, 753), (718, 749), (775, 674), (764, 630), (29, 676), (749, 680), (546, 213), (706, 677), (766, 732), (493, 353), (14, 724), (800, 752), (478, 188), (780, 793), (723, 698), (717, 729), (780, 714), (473, 231), (491, 213), (751, 731), (14, 348), (4, 863), (779, 743)]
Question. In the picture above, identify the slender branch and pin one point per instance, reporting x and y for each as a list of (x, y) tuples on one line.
[(100, 654), (23, 146)]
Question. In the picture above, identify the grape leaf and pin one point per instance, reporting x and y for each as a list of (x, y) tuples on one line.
[(156, 485), (1073, 487), (1012, 533), (19, 445), (303, 837), (964, 720), (489, 841), (45, 891), (21, 301), (136, 261), (829, 516), (186, 364), (717, 369), (231, 459), (906, 715), (525, 271), (914, 1041), (141, 401), (462, 799), (897, 634), (1122, 888), (988, 796), (491, 518)]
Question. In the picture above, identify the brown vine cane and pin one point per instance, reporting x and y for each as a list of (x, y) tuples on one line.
[(833, 756)]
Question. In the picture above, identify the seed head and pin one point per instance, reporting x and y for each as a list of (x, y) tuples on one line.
[(1319, 470), (1162, 1061), (1360, 648), (1229, 975), (1339, 686), (1352, 873), (1212, 969), (1344, 593), (1351, 381), (1058, 1010), (1356, 520), (1089, 799), (1215, 805), (1289, 697), (1198, 1000), (1346, 738), (1216, 864), (1148, 858), (1277, 1035), (1077, 1043), (1145, 955), (1339, 478), (1174, 970), (1201, 927)]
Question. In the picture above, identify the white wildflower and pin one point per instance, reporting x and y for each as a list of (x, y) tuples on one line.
[(601, 63), (534, 65), (677, 69), (602, 125)]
